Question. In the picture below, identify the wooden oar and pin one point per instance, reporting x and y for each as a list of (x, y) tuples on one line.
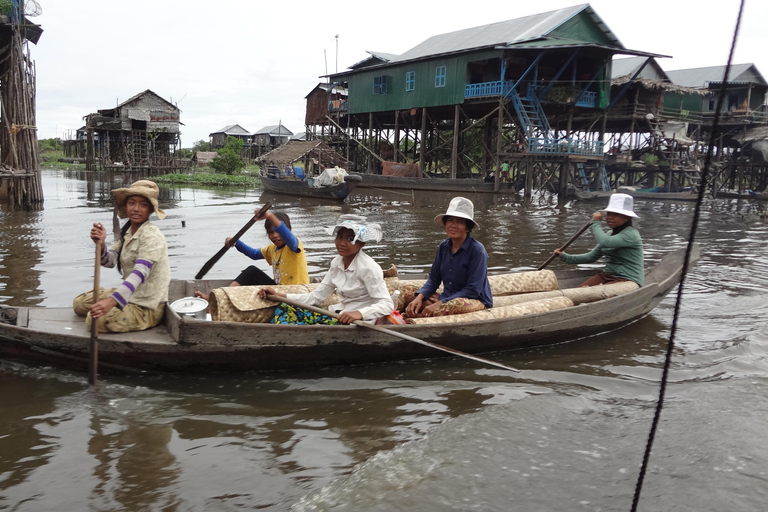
[(211, 262), (396, 334), (93, 346), (569, 242)]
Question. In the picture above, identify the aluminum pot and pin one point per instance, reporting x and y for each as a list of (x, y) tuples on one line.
[(191, 306)]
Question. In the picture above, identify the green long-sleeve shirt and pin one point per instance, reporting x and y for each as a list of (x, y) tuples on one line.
[(623, 253)]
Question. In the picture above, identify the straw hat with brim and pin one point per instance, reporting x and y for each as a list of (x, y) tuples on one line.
[(364, 231), (622, 204), (143, 188), (459, 207)]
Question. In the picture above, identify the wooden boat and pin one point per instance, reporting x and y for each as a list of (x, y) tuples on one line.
[(57, 336), (295, 186), (462, 185), (686, 195)]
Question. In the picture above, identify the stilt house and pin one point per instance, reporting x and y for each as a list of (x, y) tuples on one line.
[(462, 102), (140, 133)]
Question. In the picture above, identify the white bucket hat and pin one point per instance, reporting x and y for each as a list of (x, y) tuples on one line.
[(458, 207), (364, 231), (622, 204)]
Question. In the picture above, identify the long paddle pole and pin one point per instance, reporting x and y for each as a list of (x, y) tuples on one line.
[(396, 334), (211, 262), (566, 244), (93, 346)]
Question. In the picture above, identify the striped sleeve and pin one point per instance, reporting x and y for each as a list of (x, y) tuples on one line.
[(123, 293), (108, 258)]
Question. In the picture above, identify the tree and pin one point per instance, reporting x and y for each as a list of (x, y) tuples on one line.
[(201, 145), (227, 160)]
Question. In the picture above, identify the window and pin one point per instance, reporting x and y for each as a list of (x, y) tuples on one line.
[(440, 76), (380, 85), (410, 81)]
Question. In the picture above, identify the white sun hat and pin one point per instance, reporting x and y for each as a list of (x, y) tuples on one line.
[(622, 204), (364, 231), (459, 207)]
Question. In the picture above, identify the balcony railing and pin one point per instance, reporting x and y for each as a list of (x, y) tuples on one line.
[(484, 89), (490, 89), (545, 146)]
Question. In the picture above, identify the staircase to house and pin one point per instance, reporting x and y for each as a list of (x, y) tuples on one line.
[(139, 146), (531, 114)]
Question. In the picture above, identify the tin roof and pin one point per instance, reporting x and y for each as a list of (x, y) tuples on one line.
[(507, 33), (274, 129), (702, 77), (232, 129)]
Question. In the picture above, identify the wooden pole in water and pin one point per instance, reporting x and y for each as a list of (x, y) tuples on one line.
[(93, 347)]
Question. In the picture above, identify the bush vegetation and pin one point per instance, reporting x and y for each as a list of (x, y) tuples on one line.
[(227, 160), (204, 179)]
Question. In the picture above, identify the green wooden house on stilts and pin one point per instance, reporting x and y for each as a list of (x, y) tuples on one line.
[(462, 103)]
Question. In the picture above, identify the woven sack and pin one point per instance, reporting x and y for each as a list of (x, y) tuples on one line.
[(243, 304)]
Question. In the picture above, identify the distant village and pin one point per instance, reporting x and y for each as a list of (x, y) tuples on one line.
[(555, 98)]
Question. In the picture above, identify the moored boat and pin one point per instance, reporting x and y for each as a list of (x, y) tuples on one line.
[(458, 185), (185, 343), (295, 186)]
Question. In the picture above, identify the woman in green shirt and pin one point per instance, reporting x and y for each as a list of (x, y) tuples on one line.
[(622, 247)]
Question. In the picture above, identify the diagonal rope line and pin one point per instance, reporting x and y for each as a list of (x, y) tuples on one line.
[(694, 225)]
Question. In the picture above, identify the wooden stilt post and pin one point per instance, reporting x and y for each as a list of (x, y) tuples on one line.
[(423, 145), (455, 149)]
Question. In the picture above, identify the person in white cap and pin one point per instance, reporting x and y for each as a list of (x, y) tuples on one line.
[(353, 275), (141, 255), (622, 248), (461, 266)]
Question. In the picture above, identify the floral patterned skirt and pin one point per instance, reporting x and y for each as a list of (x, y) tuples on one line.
[(287, 314)]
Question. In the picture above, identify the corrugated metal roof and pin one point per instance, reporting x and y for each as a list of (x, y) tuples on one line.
[(628, 66), (274, 130), (702, 77), (374, 59), (232, 129), (518, 30)]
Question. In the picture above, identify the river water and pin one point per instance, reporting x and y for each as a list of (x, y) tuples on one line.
[(567, 433)]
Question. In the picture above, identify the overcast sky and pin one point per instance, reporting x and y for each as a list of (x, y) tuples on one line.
[(252, 62)]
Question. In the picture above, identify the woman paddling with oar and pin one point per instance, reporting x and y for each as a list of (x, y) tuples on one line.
[(353, 275), (141, 255), (622, 248)]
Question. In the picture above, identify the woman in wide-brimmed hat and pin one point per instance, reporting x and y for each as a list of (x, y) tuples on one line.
[(622, 248), (355, 277), (141, 255), (461, 266)]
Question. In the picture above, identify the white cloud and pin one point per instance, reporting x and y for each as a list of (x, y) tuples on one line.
[(252, 63)]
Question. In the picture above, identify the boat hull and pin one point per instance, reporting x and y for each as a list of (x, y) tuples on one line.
[(303, 189), (185, 344), (433, 184)]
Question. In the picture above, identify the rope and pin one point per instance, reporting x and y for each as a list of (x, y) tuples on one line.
[(671, 345)]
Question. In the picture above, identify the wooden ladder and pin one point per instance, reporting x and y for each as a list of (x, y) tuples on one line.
[(139, 144)]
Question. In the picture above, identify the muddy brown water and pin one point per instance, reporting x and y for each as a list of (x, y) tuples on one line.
[(567, 433)]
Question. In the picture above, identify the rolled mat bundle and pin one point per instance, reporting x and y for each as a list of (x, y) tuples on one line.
[(523, 282), (501, 285), (537, 306), (577, 295), (243, 304)]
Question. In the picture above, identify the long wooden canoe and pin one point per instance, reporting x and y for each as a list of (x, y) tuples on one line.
[(298, 187), (57, 336), (458, 185)]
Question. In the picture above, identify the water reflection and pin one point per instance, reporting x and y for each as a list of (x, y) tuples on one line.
[(420, 429)]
